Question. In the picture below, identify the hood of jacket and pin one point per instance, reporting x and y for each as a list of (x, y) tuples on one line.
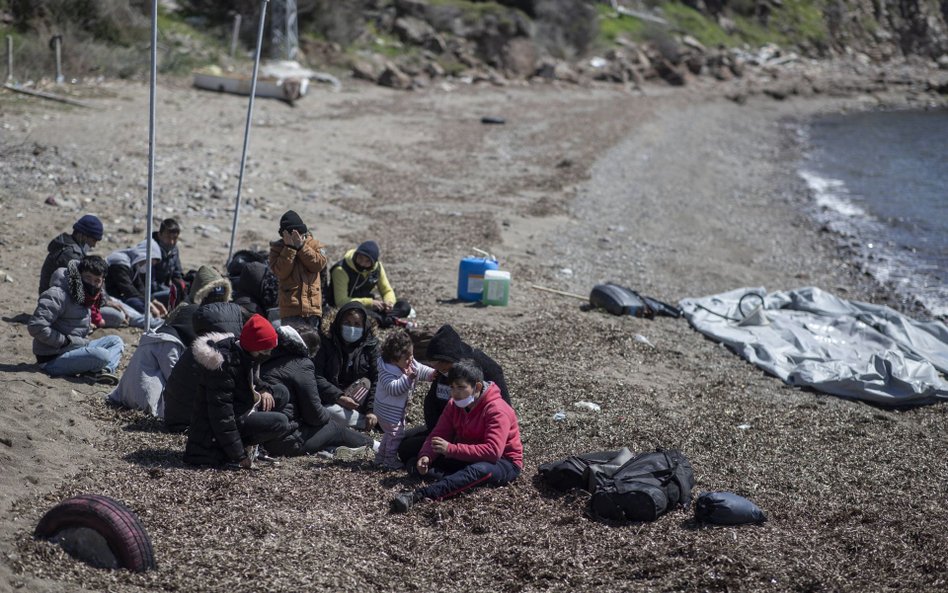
[(133, 255), (70, 281), (64, 241), (250, 282), (206, 352), (159, 337), (335, 326), (206, 280), (447, 346), (350, 261), (227, 318), (289, 343), (491, 393)]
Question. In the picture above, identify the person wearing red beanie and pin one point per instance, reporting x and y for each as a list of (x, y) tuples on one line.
[(258, 336), (234, 410)]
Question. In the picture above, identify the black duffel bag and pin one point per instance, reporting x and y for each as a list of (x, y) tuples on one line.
[(642, 489)]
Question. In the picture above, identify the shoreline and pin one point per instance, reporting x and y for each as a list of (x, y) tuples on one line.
[(852, 228), (670, 193)]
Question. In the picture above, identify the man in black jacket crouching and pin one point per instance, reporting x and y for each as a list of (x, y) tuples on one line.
[(233, 408)]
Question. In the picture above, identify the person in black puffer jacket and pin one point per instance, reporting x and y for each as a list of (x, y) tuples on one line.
[(291, 365), (178, 396), (347, 353), (445, 349), (232, 407)]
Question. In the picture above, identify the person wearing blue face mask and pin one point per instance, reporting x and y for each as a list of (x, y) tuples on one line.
[(346, 373)]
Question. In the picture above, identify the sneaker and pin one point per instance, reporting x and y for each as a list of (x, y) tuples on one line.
[(351, 453), (402, 502), (103, 377)]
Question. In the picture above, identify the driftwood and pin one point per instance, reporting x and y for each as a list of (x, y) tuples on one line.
[(44, 95), (560, 292)]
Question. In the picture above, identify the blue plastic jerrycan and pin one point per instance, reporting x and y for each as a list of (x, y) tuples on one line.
[(471, 275)]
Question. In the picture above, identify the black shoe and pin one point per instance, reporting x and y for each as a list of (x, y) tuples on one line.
[(402, 502), (103, 377)]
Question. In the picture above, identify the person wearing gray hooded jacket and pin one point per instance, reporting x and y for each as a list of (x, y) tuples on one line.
[(126, 277), (61, 324), (144, 380)]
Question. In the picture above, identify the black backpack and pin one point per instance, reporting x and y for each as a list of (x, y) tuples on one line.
[(642, 489), (621, 300)]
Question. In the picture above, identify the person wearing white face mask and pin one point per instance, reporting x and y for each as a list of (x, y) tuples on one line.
[(346, 373), (476, 441)]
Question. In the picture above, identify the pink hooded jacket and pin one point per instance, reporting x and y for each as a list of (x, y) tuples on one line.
[(488, 432)]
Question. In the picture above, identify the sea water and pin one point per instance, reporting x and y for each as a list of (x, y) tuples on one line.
[(881, 180)]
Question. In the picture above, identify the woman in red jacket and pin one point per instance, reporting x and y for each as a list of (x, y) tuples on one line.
[(476, 441)]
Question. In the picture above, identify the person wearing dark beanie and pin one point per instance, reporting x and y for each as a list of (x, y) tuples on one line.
[(90, 226), (291, 221), (234, 410), (297, 260), (86, 232), (355, 278)]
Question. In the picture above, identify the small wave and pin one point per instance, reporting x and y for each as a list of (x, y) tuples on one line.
[(831, 194)]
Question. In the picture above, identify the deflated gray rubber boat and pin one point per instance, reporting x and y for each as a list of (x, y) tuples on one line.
[(811, 338)]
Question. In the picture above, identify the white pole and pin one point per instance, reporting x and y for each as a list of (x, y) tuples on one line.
[(9, 58), (58, 49), (243, 157), (151, 160), (235, 35)]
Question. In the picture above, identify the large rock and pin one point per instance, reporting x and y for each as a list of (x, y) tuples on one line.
[(556, 70), (364, 70), (413, 30), (670, 73), (520, 56), (393, 77)]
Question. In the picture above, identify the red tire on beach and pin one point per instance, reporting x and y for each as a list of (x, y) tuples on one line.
[(120, 527)]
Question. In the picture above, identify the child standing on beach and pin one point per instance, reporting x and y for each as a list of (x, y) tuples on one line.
[(398, 373)]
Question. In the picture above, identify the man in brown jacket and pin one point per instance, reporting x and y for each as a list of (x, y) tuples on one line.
[(297, 260)]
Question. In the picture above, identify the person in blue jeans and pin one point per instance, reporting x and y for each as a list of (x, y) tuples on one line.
[(62, 322), (476, 441)]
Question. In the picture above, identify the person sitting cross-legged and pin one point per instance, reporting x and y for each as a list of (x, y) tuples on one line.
[(62, 321), (346, 369), (291, 365), (475, 443)]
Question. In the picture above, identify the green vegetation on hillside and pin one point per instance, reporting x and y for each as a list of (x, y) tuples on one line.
[(794, 23)]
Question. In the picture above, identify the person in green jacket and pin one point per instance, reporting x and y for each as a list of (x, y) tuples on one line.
[(357, 276)]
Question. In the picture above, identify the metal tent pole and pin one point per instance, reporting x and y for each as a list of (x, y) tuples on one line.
[(243, 156), (151, 160)]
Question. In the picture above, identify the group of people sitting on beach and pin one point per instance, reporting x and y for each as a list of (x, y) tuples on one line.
[(317, 379)]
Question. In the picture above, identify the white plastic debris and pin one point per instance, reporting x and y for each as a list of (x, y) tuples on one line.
[(588, 406), (559, 416), (743, 426), (642, 340)]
